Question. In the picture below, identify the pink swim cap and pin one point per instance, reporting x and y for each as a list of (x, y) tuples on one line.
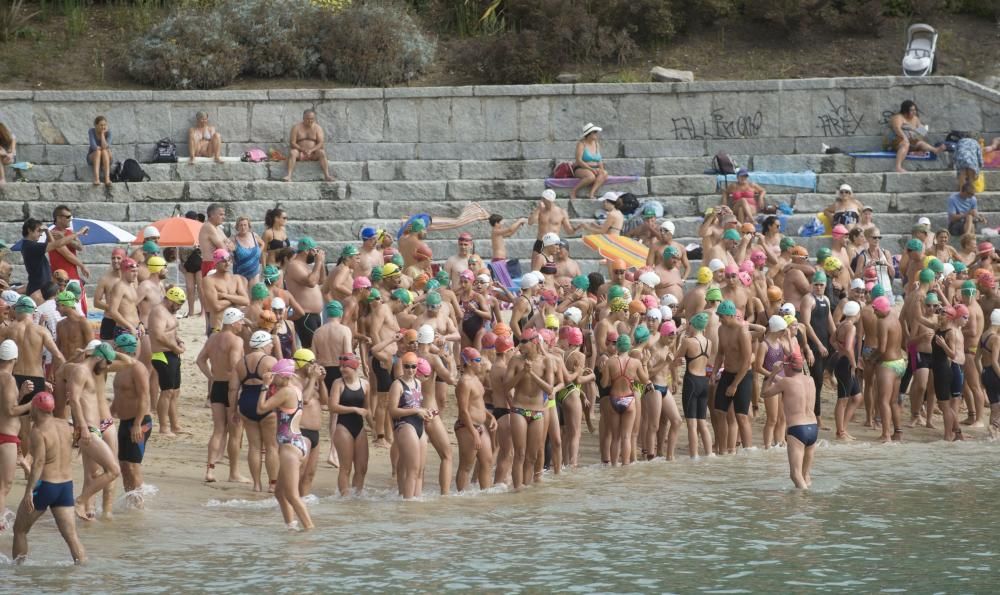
[(489, 340), (668, 328), (362, 283), (548, 335), (467, 275), (745, 278), (881, 304), (731, 269), (649, 301), (574, 336), (758, 257), (423, 367), (283, 367), (747, 266)]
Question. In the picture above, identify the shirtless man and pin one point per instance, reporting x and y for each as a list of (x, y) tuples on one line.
[(474, 425), (81, 387), (210, 236), (132, 406), (844, 341), (52, 479), (217, 360), (892, 366), (304, 283), (123, 301), (222, 290), (204, 140), (306, 143), (166, 348), (460, 261), (527, 374), (734, 291), (499, 235), (550, 218), (796, 401), (974, 393), (10, 425), (671, 276), (664, 239), (332, 340), (566, 267), (73, 332), (107, 281), (338, 285), (733, 389), (795, 285)]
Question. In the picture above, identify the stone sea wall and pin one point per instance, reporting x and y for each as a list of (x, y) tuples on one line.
[(640, 120)]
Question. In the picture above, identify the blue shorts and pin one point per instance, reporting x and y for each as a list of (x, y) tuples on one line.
[(48, 494)]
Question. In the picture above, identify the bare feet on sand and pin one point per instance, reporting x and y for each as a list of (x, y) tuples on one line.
[(209, 473)]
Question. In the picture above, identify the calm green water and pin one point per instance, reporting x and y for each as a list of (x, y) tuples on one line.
[(914, 517)]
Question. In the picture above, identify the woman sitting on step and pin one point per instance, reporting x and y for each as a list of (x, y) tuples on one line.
[(589, 165)]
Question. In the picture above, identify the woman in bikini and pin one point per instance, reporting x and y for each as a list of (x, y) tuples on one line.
[(409, 415), (941, 249), (620, 374), (275, 236), (204, 140), (744, 197), (294, 447), (614, 222), (350, 401), (967, 249), (261, 429), (589, 166), (907, 134), (845, 210)]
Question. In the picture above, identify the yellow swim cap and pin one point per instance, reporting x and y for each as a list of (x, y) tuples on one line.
[(176, 295), (551, 321), (155, 264), (704, 276), (303, 356)]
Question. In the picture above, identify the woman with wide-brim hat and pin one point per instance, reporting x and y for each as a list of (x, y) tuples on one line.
[(589, 166)]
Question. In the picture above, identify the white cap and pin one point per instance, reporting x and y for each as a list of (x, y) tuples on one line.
[(550, 239), (787, 309), (716, 265), (628, 294), (150, 232), (483, 278), (666, 313), (574, 314), (654, 313), (776, 324), (846, 188), (8, 350), (94, 344), (948, 269), (260, 339), (277, 304), (549, 194), (425, 334), (232, 315), (10, 296), (668, 226), (529, 280), (924, 221), (668, 299), (649, 279), (995, 317), (857, 283), (611, 196), (852, 308)]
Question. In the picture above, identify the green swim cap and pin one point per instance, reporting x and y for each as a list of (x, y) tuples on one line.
[(822, 254), (402, 295), (969, 287), (150, 247), (926, 275), (936, 265), (442, 277), (271, 273), (334, 309), (433, 298), (959, 266), (726, 308), (374, 294), (819, 277), (581, 282), (731, 234), (915, 244), (305, 244), (432, 285), (713, 295), (671, 252), (397, 259), (786, 243), (376, 275), (699, 321), (259, 291), (105, 351), (74, 286), (616, 291), (349, 250), (641, 334), (66, 298), (417, 226), (624, 343), (931, 299), (127, 342), (24, 305), (877, 291)]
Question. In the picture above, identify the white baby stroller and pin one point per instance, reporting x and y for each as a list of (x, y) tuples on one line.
[(921, 42)]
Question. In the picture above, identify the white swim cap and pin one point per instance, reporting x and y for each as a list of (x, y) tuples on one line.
[(852, 308), (948, 269), (668, 299), (529, 280), (655, 313), (150, 232), (260, 339), (995, 317), (10, 296), (649, 279), (668, 226), (574, 314), (278, 304), (787, 309), (550, 239), (232, 315), (8, 350), (857, 283), (425, 334), (716, 265), (549, 194), (776, 324), (666, 312), (94, 344)]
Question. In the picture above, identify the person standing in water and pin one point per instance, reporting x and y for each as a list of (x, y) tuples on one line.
[(797, 396)]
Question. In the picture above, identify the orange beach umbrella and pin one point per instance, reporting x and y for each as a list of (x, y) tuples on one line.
[(175, 232)]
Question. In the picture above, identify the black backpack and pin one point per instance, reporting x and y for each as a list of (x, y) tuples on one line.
[(629, 203), (723, 164), (165, 151), (128, 171)]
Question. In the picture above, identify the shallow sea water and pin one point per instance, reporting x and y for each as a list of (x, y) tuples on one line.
[(911, 517)]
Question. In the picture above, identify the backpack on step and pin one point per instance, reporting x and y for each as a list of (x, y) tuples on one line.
[(165, 151), (128, 171), (723, 164), (253, 156), (563, 170)]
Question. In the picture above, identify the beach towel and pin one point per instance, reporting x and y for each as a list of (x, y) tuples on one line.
[(614, 247), (571, 182), (802, 179), (991, 160), (505, 271), (917, 156)]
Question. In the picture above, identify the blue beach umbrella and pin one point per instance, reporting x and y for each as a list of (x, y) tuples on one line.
[(98, 232)]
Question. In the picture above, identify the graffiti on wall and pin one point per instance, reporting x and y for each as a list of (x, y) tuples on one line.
[(718, 126)]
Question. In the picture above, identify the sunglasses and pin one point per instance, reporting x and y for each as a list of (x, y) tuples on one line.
[(409, 366), (876, 237), (523, 341)]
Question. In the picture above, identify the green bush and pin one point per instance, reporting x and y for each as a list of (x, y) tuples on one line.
[(509, 59), (375, 44), (277, 36), (186, 51)]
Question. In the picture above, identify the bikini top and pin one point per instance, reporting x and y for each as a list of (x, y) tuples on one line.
[(622, 368), (742, 194), (589, 157), (276, 244)]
